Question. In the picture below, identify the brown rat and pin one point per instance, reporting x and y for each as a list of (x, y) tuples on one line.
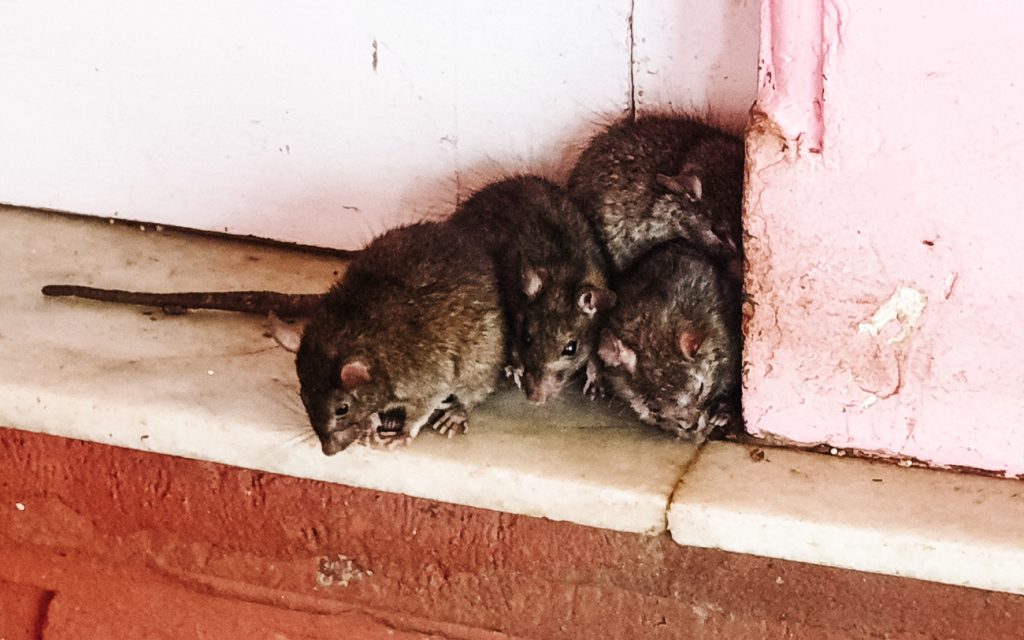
[(412, 334), (662, 177), (552, 275), (671, 347)]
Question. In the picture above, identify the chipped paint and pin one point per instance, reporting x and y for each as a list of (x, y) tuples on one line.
[(870, 401), (800, 44), (905, 306), (339, 571), (950, 283)]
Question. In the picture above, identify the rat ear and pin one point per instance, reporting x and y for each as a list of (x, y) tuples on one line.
[(287, 335), (615, 354), (354, 373), (593, 299), (689, 341), (687, 184), (533, 282)]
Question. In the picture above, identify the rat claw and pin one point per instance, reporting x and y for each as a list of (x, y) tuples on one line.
[(452, 421), (721, 419), (516, 374), (593, 387), (392, 441), (389, 439)]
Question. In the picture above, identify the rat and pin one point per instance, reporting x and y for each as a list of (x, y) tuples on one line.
[(671, 347), (660, 177), (552, 275), (411, 335)]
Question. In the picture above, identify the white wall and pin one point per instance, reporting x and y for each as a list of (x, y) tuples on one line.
[(326, 122), (697, 55)]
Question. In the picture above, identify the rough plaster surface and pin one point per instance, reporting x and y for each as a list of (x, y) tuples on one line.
[(138, 545), (883, 262)]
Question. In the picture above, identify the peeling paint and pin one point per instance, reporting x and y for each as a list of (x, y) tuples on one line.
[(800, 46), (339, 571), (905, 306), (870, 401), (950, 284)]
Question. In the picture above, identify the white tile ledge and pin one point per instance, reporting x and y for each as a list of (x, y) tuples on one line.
[(211, 386), (927, 524)]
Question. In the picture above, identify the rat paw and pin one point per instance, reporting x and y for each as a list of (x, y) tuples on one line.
[(452, 421), (721, 419), (516, 374), (387, 431), (594, 387), (389, 440), (725, 417)]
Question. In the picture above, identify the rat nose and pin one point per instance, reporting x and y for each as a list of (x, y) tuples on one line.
[(535, 393), (539, 392), (338, 441)]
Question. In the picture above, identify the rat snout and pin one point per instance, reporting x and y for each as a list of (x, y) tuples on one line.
[(683, 420), (548, 386), (339, 440)]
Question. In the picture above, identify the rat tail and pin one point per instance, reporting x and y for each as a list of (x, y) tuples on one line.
[(287, 305)]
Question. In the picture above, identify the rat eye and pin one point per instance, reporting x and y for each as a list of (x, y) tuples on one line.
[(527, 338), (570, 349), (341, 410)]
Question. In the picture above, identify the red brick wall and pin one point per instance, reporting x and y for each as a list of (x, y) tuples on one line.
[(118, 543), (22, 611)]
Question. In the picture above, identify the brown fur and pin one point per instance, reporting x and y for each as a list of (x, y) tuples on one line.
[(547, 256), (616, 182), (419, 310), (672, 346)]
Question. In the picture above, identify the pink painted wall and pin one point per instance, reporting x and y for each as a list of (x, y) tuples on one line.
[(884, 207)]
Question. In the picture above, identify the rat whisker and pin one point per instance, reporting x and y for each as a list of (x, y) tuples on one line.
[(291, 403), (299, 438)]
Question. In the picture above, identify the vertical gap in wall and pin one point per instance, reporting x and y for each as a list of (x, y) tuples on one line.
[(454, 42), (632, 60)]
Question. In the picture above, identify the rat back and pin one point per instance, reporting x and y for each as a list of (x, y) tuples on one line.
[(661, 177), (671, 348), (551, 271), (415, 321)]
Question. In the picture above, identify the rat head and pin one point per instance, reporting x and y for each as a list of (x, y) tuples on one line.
[(342, 392), (706, 195), (667, 377), (556, 328)]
